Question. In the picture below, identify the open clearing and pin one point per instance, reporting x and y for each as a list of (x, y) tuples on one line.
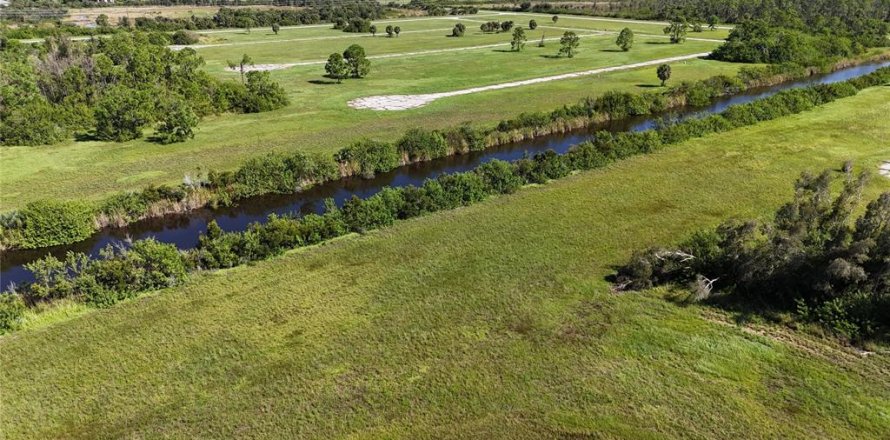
[(319, 119), (405, 102), (491, 321)]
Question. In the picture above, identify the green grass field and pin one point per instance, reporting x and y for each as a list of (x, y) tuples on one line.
[(318, 118), (491, 321)]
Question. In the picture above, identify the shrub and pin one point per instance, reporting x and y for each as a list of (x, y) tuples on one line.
[(499, 177), (184, 38), (49, 223), (418, 144), (367, 157), (177, 123), (12, 308), (263, 94), (122, 113), (32, 124)]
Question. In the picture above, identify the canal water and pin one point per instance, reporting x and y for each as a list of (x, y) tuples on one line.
[(183, 229)]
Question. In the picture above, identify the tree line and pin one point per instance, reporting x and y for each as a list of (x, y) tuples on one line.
[(125, 272), (112, 88)]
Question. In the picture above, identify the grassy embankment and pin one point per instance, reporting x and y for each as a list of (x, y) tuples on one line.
[(491, 321), (318, 118)]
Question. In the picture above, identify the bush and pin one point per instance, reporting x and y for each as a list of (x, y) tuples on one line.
[(418, 144), (12, 308), (33, 124), (184, 38), (122, 113), (263, 94), (177, 123), (49, 223), (367, 157), (499, 177)]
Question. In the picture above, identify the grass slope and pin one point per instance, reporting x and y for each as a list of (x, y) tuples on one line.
[(318, 118), (491, 321)]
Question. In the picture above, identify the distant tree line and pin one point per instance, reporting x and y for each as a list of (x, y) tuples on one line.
[(126, 272), (112, 88)]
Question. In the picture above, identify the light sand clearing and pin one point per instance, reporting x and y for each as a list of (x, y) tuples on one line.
[(884, 169), (404, 102), (264, 67)]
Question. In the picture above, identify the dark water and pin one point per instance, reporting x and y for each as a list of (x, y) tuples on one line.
[(183, 229)]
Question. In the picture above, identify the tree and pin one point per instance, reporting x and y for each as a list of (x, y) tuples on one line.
[(178, 123), (555, 18), (337, 67), (389, 31), (664, 73), (625, 39), (458, 30), (242, 65), (712, 22), (397, 30), (359, 66), (373, 30), (102, 20), (263, 94), (532, 24), (677, 31), (519, 39), (247, 24), (275, 28), (696, 27), (506, 26), (122, 112), (569, 44)]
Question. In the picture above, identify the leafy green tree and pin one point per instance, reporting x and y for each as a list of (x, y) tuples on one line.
[(177, 123), (664, 73), (458, 30), (242, 65), (34, 123), (397, 30), (373, 30), (184, 38), (568, 44), (275, 28), (555, 18), (122, 112), (506, 26), (625, 39), (519, 39), (712, 22), (337, 67), (389, 31), (697, 27), (532, 24), (677, 31), (102, 20), (359, 65), (247, 24), (263, 94)]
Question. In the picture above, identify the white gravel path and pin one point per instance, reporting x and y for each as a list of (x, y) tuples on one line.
[(884, 169), (337, 37), (404, 102), (595, 18)]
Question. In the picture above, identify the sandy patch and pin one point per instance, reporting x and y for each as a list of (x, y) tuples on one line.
[(884, 169), (404, 102)]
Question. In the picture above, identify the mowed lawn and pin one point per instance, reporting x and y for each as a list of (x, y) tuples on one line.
[(491, 321), (318, 118)]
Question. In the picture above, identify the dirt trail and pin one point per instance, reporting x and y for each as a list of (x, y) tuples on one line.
[(404, 102)]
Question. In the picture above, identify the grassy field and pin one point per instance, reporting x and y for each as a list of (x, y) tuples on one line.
[(492, 321), (318, 118)]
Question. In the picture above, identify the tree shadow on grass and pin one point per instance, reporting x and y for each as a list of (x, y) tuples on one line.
[(322, 82), (503, 50), (658, 42), (611, 50), (648, 86), (85, 137), (554, 57)]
